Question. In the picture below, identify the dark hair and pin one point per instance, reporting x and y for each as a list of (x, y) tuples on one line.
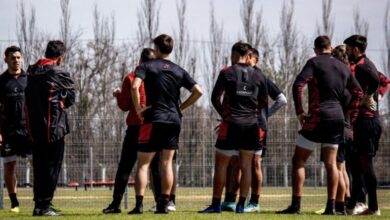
[(12, 49), (164, 43), (145, 55), (255, 51), (54, 49), (322, 42), (339, 53), (358, 41), (241, 48)]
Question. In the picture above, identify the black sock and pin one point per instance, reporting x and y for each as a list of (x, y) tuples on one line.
[(340, 206), (230, 197), (172, 198), (254, 199), (241, 201), (330, 204), (14, 200), (296, 202), (216, 202), (346, 200), (139, 201), (116, 202)]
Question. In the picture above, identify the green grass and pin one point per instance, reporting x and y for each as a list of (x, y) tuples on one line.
[(88, 205)]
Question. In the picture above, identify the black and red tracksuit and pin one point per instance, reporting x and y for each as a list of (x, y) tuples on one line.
[(326, 78), (48, 93)]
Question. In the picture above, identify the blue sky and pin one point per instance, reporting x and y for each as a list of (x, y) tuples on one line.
[(307, 14)]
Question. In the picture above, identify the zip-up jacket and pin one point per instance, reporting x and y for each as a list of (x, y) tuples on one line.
[(49, 92)]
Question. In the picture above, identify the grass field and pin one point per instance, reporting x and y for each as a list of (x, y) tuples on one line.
[(88, 205)]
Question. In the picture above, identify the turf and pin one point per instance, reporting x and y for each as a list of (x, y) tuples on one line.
[(88, 205)]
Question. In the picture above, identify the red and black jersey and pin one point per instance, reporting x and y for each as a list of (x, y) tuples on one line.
[(368, 77), (326, 78), (12, 116), (125, 102), (163, 80), (244, 93), (384, 84)]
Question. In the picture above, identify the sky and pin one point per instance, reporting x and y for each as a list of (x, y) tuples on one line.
[(307, 15)]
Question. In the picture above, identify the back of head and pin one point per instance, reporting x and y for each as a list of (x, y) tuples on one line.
[(164, 43), (55, 49), (146, 55), (322, 43), (358, 41), (12, 49), (339, 53), (241, 48)]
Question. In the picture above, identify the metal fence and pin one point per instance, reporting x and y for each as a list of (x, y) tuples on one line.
[(93, 150)]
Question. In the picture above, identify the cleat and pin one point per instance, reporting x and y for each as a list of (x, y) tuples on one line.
[(137, 210), (239, 209), (370, 212), (15, 209), (359, 208), (228, 206), (37, 212), (329, 212), (48, 212), (56, 209), (161, 210), (211, 209), (319, 212), (111, 210), (290, 210), (252, 207), (154, 208), (171, 206)]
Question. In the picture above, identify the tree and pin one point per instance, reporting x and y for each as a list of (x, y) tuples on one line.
[(182, 43), (148, 23), (327, 27), (386, 56), (360, 25)]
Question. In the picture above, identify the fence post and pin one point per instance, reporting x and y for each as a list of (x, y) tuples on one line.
[(126, 202), (91, 166), (285, 175), (264, 175), (1, 184), (28, 170)]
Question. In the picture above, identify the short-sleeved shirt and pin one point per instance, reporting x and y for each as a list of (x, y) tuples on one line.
[(12, 101), (163, 80), (273, 92), (244, 92)]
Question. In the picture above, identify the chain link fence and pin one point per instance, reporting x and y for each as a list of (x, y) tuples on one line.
[(93, 151)]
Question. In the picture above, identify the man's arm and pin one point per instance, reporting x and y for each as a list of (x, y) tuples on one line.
[(216, 95), (68, 94), (136, 96), (196, 93), (356, 96), (276, 95)]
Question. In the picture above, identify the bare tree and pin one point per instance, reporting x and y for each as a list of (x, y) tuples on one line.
[(148, 23), (182, 43), (386, 56), (327, 27), (360, 25)]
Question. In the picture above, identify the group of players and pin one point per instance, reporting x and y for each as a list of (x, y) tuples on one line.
[(344, 89)]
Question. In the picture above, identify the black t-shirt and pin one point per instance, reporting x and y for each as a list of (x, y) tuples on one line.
[(13, 121), (273, 92), (163, 80), (244, 92)]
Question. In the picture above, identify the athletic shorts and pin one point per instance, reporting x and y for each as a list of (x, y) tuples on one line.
[(239, 137), (367, 132), (14, 146), (154, 137), (329, 132), (307, 144)]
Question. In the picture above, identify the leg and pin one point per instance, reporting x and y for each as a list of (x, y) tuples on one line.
[(246, 158), (341, 189), (257, 179), (332, 172), (166, 180), (298, 170), (155, 177), (370, 180), (233, 176), (10, 182)]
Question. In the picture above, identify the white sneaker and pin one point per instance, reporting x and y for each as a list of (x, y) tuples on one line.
[(171, 206), (154, 208), (359, 208), (370, 212)]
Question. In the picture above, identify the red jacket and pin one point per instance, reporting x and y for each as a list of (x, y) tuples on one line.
[(125, 102)]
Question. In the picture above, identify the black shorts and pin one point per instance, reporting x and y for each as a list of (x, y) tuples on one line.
[(330, 132), (239, 137), (154, 137), (367, 132), (16, 145)]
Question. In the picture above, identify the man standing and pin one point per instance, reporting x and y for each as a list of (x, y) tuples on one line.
[(129, 148), (367, 128), (326, 78), (162, 117), (244, 92), (13, 131), (49, 92)]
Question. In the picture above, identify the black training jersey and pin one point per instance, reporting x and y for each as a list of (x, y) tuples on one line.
[(327, 78), (273, 92), (368, 77), (244, 93), (163, 80), (12, 101)]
